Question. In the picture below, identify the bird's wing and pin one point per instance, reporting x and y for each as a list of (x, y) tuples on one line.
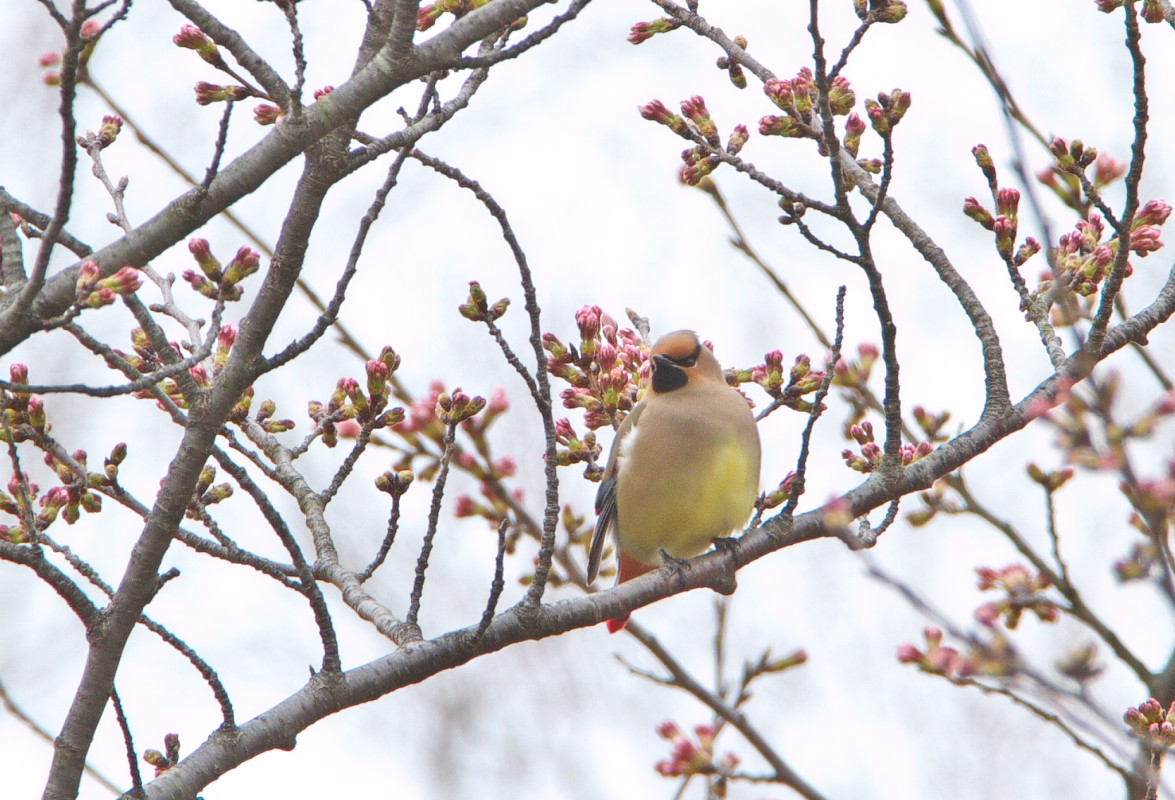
[(607, 516)]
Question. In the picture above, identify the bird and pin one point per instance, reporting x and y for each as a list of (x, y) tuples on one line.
[(684, 466)]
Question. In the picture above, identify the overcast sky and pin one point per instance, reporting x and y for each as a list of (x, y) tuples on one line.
[(592, 193)]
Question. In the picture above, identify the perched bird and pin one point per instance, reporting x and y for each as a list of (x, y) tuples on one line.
[(684, 467)]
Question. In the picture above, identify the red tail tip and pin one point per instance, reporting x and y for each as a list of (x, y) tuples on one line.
[(615, 625)]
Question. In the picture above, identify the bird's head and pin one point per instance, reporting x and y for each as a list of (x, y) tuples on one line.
[(680, 359)]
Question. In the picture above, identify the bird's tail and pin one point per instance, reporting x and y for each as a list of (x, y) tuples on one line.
[(629, 569)]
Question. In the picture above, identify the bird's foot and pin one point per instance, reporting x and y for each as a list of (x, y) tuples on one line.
[(677, 565), (727, 545)]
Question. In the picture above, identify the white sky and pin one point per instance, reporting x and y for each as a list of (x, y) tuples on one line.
[(591, 190)]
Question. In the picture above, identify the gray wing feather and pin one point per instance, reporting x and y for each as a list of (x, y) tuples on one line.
[(607, 515), (605, 525)]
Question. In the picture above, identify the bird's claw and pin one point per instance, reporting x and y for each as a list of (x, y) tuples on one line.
[(674, 563)]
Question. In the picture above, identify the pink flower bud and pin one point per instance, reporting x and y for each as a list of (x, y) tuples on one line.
[(738, 138), (909, 654), (987, 615), (1155, 212), (268, 114), (1007, 201), (465, 507), (1146, 240), (348, 428), (942, 660), (973, 209), (779, 126), (190, 38)]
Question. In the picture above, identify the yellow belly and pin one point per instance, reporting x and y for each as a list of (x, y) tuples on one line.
[(686, 504)]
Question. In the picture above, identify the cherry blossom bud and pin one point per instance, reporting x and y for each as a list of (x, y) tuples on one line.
[(656, 111), (192, 38), (268, 114), (88, 275), (841, 97), (643, 31), (1155, 212), (738, 138)]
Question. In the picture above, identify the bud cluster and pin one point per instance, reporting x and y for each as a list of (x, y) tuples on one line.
[(604, 371), (490, 504), (994, 657), (769, 375), (885, 11), (1067, 186), (455, 408), (205, 494), (25, 419), (574, 450), (268, 114), (693, 756), (145, 359), (934, 500), (887, 110), (107, 133), (1022, 592), (871, 456), (75, 494), (428, 15), (799, 98), (937, 659), (94, 291), (477, 308), (24, 413), (851, 377), (733, 69), (1153, 724), (214, 282), (855, 374), (1004, 224), (780, 494), (854, 127), (395, 482), (425, 430), (1081, 664), (693, 123), (367, 404), (162, 763), (931, 425), (1153, 497), (494, 501), (1051, 481), (89, 34), (1141, 562), (1082, 259)]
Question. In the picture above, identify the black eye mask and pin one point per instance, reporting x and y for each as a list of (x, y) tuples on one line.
[(689, 360), (668, 373)]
